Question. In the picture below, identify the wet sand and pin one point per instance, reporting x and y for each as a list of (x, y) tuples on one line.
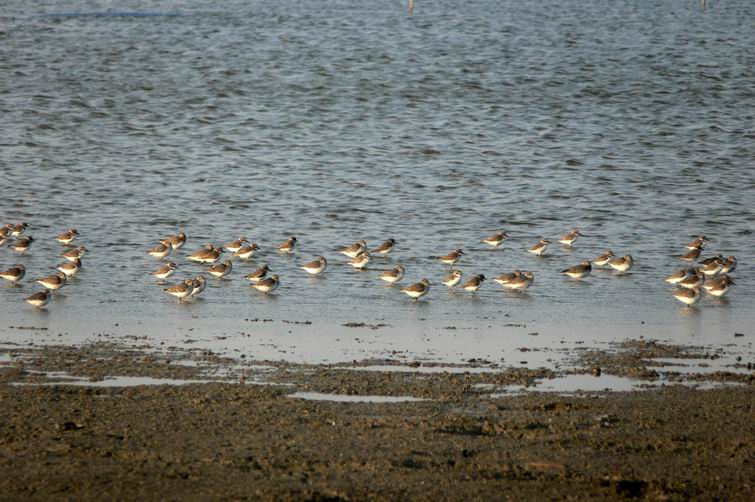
[(242, 436)]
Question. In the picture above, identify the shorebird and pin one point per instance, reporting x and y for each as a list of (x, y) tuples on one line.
[(233, 247), (67, 236), (198, 284), (505, 279), (70, 268), (75, 253), (247, 251), (603, 259), (622, 264), (687, 296), (452, 258), (719, 286), (161, 250), (316, 266), (473, 283), (18, 229), (288, 246), (14, 274), (165, 271), (221, 270), (691, 255), (208, 254), (698, 243), (539, 248), (385, 248), (176, 241), (417, 290), (495, 240), (53, 282), (570, 238), (394, 275), (730, 265), (452, 279), (40, 299), (712, 266), (355, 249), (181, 290), (522, 282), (268, 284), (579, 271), (361, 260), (23, 244), (693, 281), (680, 275), (258, 274)]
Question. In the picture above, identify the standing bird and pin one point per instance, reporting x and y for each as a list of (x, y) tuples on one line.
[(691, 255), (316, 266), (268, 284), (40, 299), (355, 249), (361, 260), (687, 296), (417, 290), (198, 283), (570, 238), (53, 282), (247, 251), (522, 282), (579, 271), (165, 271), (622, 264), (452, 258), (23, 244), (161, 250), (208, 254), (539, 248), (496, 240), (680, 275), (75, 253), (258, 274), (453, 278), (288, 246), (181, 290), (719, 287), (221, 270), (473, 283), (730, 265), (505, 279), (698, 243), (176, 241), (385, 248), (394, 275), (70, 268), (693, 281), (14, 274), (233, 247), (66, 237), (604, 258)]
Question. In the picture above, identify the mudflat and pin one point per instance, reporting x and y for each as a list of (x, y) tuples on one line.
[(245, 438)]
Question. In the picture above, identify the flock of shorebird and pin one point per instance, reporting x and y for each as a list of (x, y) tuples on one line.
[(711, 274)]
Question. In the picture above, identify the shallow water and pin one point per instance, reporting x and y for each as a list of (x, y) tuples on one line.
[(336, 121)]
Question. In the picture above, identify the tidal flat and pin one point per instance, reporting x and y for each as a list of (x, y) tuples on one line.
[(127, 422)]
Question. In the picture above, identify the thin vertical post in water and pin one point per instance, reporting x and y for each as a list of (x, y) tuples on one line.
[(702, 3), (411, 5)]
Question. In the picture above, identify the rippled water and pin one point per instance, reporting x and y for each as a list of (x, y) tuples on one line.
[(340, 120)]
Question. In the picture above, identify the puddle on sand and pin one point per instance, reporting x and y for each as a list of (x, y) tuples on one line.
[(346, 398), (62, 378), (419, 369)]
